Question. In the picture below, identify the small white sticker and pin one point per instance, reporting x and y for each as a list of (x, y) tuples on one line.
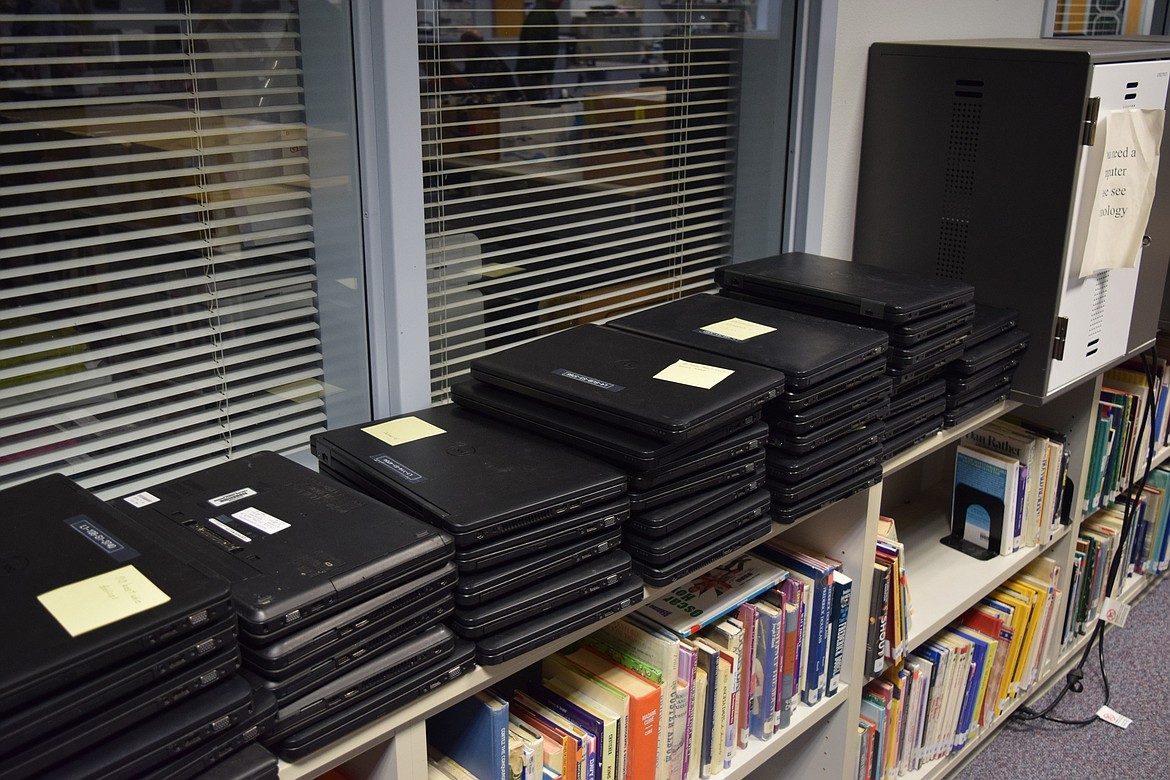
[(228, 529), (1114, 612), (261, 521), (1109, 716), (228, 498), (139, 500)]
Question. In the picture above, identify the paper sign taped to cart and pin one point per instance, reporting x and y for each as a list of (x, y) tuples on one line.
[(1125, 188)]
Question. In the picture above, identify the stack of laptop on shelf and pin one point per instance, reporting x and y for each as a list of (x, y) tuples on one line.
[(824, 429), (926, 319), (982, 376), (125, 660), (339, 597), (682, 424), (536, 525)]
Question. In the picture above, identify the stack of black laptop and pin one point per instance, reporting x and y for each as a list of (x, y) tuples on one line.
[(683, 425), (824, 429), (982, 376), (339, 597), (122, 657), (536, 525), (926, 318)]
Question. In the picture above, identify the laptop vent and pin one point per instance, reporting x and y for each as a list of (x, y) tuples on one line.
[(959, 179), (1097, 312)]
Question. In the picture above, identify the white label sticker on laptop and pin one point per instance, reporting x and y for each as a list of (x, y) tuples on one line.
[(736, 329), (228, 498), (98, 601), (139, 500), (402, 430), (684, 372), (261, 521)]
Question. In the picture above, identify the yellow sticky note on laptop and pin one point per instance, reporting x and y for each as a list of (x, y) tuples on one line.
[(102, 599), (402, 430), (684, 372)]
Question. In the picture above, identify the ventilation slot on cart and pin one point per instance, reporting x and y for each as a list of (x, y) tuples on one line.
[(958, 185)]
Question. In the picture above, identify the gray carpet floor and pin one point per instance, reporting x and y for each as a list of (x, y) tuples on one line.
[(1137, 665)]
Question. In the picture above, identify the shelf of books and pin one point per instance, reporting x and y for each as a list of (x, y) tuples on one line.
[(944, 581)]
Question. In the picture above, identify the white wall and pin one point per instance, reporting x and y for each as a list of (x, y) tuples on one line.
[(832, 188)]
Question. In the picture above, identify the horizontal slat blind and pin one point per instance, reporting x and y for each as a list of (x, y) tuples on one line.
[(157, 277), (575, 183)]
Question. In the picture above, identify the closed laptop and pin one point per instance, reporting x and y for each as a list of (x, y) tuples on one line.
[(667, 391), (831, 284), (295, 545)]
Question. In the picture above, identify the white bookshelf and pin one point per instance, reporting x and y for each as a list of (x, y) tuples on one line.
[(822, 740)]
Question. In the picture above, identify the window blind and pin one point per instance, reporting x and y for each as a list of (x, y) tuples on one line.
[(578, 164), (157, 276)]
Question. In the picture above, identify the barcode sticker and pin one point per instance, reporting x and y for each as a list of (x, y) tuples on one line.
[(1108, 715), (1114, 612)]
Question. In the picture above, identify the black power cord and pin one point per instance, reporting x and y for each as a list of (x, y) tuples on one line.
[(1073, 681)]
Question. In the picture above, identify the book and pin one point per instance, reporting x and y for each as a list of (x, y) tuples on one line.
[(818, 570), (789, 695), (710, 596), (707, 662), (643, 716), (531, 742), (748, 677), (473, 733), (768, 637), (560, 675), (719, 696), (442, 767), (646, 648), (587, 726), (564, 750), (728, 635), (838, 626), (983, 504), (687, 667), (699, 724)]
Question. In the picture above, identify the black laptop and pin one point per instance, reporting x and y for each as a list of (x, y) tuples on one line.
[(618, 446), (530, 634), (666, 519), (364, 679), (334, 726), (790, 468), (831, 284), (806, 349), (295, 544), (486, 584), (560, 591), (423, 598), (87, 731), (88, 589), (991, 321), (157, 740), (697, 560), (96, 696), (666, 391), (699, 533), (472, 475)]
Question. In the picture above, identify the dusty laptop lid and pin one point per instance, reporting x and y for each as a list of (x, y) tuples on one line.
[(473, 475), (805, 348), (840, 285), (64, 550), (295, 544), (667, 391)]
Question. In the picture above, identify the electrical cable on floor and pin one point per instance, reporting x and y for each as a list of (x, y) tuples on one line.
[(1073, 679)]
